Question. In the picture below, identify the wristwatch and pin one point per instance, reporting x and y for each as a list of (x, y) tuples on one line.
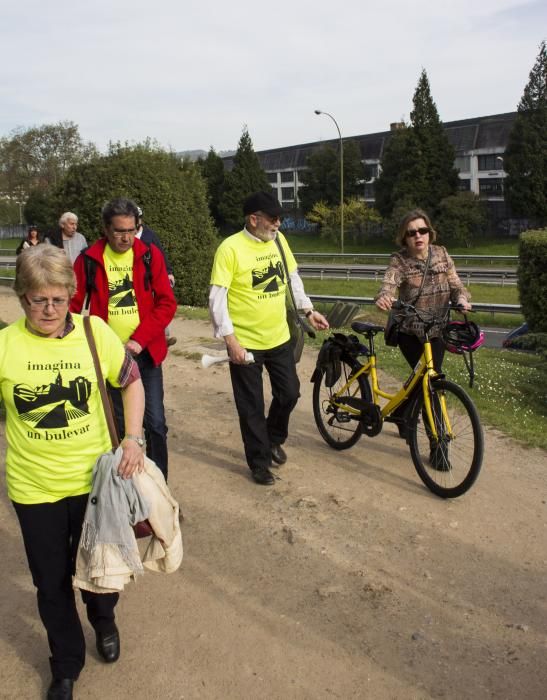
[(309, 313), (136, 438)]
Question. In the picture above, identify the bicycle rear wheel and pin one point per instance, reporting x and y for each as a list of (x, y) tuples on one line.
[(338, 427), (449, 466)]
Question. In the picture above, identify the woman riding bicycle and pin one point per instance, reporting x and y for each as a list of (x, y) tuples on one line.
[(403, 279)]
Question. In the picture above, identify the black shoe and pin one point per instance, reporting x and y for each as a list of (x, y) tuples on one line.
[(263, 476), (60, 689), (403, 430), (108, 645), (278, 454)]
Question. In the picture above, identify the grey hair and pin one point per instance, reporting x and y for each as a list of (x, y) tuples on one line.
[(119, 207), (68, 215)]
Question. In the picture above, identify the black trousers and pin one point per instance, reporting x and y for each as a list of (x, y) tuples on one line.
[(51, 533), (258, 431), (412, 348)]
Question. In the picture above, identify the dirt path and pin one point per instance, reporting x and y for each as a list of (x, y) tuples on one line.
[(346, 579)]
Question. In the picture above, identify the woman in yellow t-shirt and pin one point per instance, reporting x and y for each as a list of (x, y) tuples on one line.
[(55, 430)]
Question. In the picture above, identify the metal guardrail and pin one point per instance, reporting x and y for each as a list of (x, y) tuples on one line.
[(369, 301), (371, 256), (357, 272)]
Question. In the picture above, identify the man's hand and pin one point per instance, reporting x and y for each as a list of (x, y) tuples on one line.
[(132, 459), (171, 279), (133, 348), (236, 352), (318, 321)]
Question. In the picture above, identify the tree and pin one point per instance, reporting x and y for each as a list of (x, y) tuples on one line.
[(321, 178), (37, 158), (172, 194), (525, 159), (246, 177), (361, 221), (461, 218), (212, 169), (419, 160)]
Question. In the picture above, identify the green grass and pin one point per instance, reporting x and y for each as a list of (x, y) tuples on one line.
[(306, 243), (9, 244)]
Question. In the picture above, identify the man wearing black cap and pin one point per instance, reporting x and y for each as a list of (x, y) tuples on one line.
[(247, 306)]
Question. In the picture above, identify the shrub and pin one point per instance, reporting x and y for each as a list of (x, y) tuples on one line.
[(532, 278)]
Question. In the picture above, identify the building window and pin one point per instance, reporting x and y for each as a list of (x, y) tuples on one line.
[(490, 162), (491, 187), (287, 194), (464, 184), (371, 171), (272, 178), (462, 164), (287, 176)]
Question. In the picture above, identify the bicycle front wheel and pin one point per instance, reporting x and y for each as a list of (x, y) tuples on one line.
[(339, 427), (450, 464)]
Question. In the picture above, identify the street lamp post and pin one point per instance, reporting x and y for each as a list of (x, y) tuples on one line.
[(318, 111)]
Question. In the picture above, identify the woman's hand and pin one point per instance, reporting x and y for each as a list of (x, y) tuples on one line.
[(132, 459), (384, 303), (318, 321), (463, 304)]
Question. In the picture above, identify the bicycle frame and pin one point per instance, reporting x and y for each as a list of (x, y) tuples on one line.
[(424, 372)]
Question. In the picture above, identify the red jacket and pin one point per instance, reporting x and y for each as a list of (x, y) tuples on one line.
[(156, 305)]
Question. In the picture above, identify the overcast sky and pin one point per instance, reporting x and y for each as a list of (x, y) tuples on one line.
[(191, 74)]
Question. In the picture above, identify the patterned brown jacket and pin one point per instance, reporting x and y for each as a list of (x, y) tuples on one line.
[(403, 278)]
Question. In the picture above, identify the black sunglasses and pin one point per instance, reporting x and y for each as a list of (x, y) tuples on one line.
[(422, 231)]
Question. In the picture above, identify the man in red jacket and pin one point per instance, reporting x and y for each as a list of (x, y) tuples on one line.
[(130, 290)]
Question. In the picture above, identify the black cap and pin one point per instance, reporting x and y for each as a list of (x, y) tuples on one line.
[(262, 201)]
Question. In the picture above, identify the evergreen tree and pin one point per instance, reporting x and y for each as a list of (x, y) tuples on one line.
[(212, 169), (246, 177), (321, 179), (418, 163), (525, 159)]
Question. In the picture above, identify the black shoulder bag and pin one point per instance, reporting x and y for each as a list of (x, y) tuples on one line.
[(395, 317), (297, 325)]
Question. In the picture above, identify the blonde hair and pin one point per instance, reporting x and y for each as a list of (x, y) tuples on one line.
[(43, 266), (412, 216)]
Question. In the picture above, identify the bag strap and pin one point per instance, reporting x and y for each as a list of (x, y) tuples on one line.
[(107, 406), (299, 319), (426, 268)]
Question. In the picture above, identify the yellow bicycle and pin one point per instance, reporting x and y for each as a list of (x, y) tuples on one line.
[(443, 428)]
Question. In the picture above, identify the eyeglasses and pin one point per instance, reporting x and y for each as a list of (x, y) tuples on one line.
[(119, 232), (43, 303), (423, 231), (271, 219)]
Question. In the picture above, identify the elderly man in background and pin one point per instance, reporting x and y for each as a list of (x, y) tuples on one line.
[(67, 237)]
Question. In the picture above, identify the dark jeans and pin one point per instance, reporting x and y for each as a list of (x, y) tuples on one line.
[(155, 426), (257, 431), (412, 348), (51, 533)]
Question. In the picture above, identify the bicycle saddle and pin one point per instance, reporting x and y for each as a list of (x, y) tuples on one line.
[(365, 327)]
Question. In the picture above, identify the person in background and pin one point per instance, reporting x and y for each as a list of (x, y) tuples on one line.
[(402, 280), (67, 237), (148, 235), (55, 431), (32, 238), (248, 310), (131, 292)]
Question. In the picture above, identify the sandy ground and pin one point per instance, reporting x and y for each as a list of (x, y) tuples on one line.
[(346, 579)]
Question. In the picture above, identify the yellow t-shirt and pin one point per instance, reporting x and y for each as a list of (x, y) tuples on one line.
[(55, 424), (123, 313), (254, 274)]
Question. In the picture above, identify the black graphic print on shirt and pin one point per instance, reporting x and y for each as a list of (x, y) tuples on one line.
[(52, 405), (268, 279), (120, 292)]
